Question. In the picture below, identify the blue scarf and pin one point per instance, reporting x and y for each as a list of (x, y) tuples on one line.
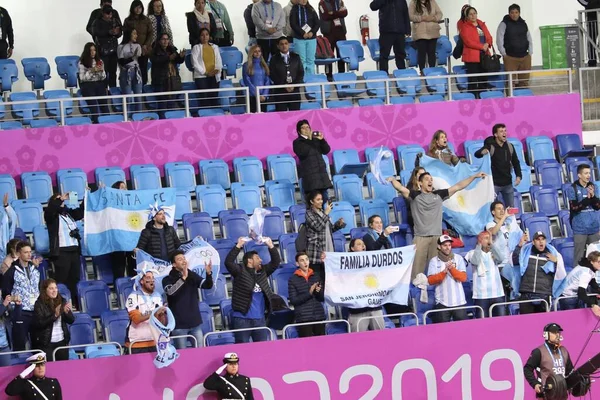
[(166, 352), (376, 236)]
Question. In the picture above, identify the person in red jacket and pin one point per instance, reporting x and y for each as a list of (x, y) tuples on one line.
[(476, 40)]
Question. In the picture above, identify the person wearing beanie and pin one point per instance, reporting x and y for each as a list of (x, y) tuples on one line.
[(515, 44), (232, 385), (577, 283)]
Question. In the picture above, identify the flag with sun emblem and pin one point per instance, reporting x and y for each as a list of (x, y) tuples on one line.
[(369, 278), (469, 209), (114, 218)]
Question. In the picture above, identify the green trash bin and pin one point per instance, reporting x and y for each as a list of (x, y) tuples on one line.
[(560, 46)]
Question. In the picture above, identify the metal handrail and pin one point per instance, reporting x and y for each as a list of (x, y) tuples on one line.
[(76, 346), (332, 321), (506, 303), (239, 330), (33, 351), (558, 299), (451, 309), (388, 315), (130, 346)]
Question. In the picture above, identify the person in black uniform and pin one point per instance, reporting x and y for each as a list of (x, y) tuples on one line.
[(39, 385), (232, 385)]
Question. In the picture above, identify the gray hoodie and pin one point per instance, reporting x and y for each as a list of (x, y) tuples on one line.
[(263, 12), (287, 31)]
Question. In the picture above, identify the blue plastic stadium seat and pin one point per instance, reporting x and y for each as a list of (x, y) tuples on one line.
[(101, 351), (53, 107), (339, 103), (409, 82), (314, 92), (348, 187), (211, 199), (41, 239), (223, 246), (72, 121), (232, 61), (109, 175), (358, 233), (387, 165), (246, 196), (345, 157), (407, 156), (567, 250), (218, 292), (376, 89), (145, 176), (351, 52), (492, 94), (280, 280), (11, 125), (198, 224), (343, 209), (116, 102), (249, 170), (349, 87), (43, 123), (93, 297), (183, 204), (544, 200), (282, 166), (25, 112), (297, 215), (434, 78), (287, 247), (370, 102), (274, 223), (375, 50), (37, 71), (518, 146), (549, 173), (72, 180), (443, 50), (9, 186), (431, 98), (371, 207), (411, 52), (570, 145), (83, 330), (180, 175), (9, 74), (175, 114), (564, 219), (233, 224), (471, 146), (37, 186), (400, 210), (280, 193), (103, 268), (463, 96), (539, 148), (145, 116), (538, 223), (377, 190), (114, 324), (311, 105), (522, 92), (215, 172), (123, 287), (402, 100), (68, 69)]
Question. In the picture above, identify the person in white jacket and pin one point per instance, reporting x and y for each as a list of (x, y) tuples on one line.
[(207, 63)]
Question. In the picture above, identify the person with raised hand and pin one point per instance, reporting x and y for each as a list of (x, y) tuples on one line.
[(31, 388), (232, 385)]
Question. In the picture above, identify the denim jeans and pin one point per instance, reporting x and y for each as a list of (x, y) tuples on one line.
[(307, 50), (181, 343), (570, 304), (131, 83), (508, 194), (258, 335), (5, 359), (498, 311)]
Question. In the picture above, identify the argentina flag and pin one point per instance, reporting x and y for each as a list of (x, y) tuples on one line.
[(114, 218), (469, 209)]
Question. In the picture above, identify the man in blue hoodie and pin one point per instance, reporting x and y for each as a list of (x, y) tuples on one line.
[(394, 26)]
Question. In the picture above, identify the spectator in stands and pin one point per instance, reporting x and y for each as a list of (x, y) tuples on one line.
[(304, 21), (447, 272), (122, 262), (538, 263), (394, 26), (224, 36), (583, 202), (22, 386), (250, 287), (22, 282), (51, 314), (413, 182), (207, 63), (140, 305), (255, 72), (97, 14), (92, 80), (503, 156), (357, 245), (142, 25), (515, 45), (250, 23), (424, 15), (159, 21), (287, 30), (426, 211), (580, 283), (158, 238), (378, 238), (8, 225), (319, 230), (106, 32), (129, 53), (65, 241), (269, 19), (333, 15), (487, 282), (7, 36), (476, 40), (286, 69), (165, 74), (306, 294), (5, 307), (200, 17), (438, 148), (181, 287), (119, 185), (310, 147), (11, 255)]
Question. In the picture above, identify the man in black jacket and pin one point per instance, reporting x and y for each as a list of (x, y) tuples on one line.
[(394, 26), (181, 287), (310, 147), (158, 238), (515, 44), (286, 69), (106, 30), (503, 155), (65, 238), (7, 37), (97, 14), (36, 385), (307, 296), (250, 23), (250, 288)]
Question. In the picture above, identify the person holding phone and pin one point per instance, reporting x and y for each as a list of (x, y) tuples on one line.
[(379, 238), (306, 294), (310, 147)]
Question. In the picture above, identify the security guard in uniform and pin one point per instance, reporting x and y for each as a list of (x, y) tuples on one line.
[(232, 386), (38, 386)]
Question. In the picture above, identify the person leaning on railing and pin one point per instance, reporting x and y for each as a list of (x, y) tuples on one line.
[(424, 15), (581, 279)]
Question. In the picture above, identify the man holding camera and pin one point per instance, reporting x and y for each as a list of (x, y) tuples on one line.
[(65, 241)]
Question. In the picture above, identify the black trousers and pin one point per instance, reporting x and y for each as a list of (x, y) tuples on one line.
[(142, 350), (426, 53), (268, 47), (386, 42), (110, 66), (311, 330), (333, 38), (208, 99), (20, 330), (67, 271), (477, 84), (143, 61), (61, 355), (3, 49), (531, 308), (93, 89), (285, 101), (253, 109), (448, 315), (122, 263)]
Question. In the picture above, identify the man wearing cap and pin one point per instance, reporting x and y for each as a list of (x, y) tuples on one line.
[(549, 358), (447, 272), (140, 305), (38, 386), (540, 269), (158, 238), (232, 385)]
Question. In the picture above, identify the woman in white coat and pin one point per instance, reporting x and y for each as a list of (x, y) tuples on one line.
[(207, 63)]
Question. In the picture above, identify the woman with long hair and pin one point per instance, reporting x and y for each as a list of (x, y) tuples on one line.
[(159, 20), (92, 80), (207, 63), (200, 17), (305, 24), (413, 182), (477, 41), (130, 77), (255, 72), (438, 148), (424, 15), (51, 314), (141, 24)]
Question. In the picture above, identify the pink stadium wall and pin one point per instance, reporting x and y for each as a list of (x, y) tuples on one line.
[(480, 359), (193, 139)]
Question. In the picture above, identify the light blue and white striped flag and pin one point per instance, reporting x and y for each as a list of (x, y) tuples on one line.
[(114, 218), (468, 210)]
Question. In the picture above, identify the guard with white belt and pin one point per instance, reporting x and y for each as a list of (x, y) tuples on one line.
[(232, 386), (38, 386)]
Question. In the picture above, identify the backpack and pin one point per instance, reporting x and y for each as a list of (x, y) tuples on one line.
[(301, 239), (511, 149), (324, 49)]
